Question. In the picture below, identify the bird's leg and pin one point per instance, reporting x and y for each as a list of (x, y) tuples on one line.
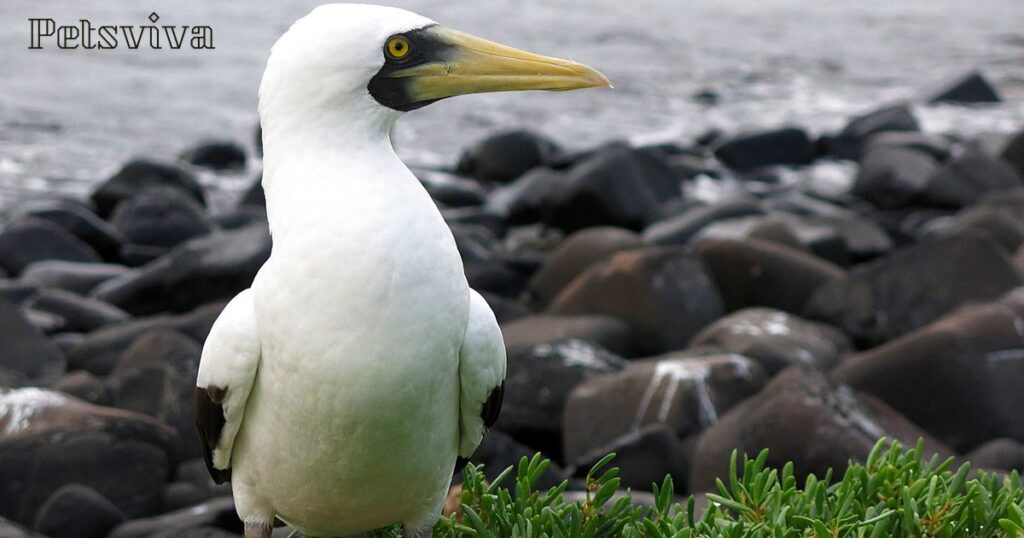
[(257, 530), (424, 532)]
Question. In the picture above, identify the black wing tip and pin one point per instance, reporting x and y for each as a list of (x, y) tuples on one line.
[(492, 407), (210, 422)]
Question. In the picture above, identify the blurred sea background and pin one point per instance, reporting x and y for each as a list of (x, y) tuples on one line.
[(70, 118)]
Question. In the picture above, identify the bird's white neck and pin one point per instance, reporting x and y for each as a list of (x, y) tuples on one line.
[(334, 164)]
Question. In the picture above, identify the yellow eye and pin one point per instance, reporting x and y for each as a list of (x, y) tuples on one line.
[(397, 47)]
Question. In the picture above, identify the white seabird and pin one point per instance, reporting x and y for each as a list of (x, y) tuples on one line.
[(337, 392)]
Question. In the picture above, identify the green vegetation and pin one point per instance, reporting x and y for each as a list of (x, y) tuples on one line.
[(895, 493)]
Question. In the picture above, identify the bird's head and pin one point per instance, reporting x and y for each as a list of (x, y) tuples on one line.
[(381, 61)]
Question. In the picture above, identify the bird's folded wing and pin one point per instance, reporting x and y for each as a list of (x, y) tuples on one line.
[(481, 375), (227, 371)]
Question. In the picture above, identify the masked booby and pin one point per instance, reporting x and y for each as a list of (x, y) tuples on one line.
[(338, 391)]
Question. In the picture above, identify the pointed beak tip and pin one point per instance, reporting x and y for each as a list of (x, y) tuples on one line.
[(595, 78)]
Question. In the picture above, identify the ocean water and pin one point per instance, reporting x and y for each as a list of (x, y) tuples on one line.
[(69, 118)]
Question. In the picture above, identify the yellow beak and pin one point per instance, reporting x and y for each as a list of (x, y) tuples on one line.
[(470, 64)]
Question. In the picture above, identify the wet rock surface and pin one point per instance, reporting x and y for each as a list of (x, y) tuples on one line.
[(971, 88), (912, 287), (50, 440), (776, 340), (663, 293), (538, 383), (789, 146), (506, 156), (971, 357), (800, 417), (206, 269), (619, 186), (24, 350), (76, 511), (576, 253), (750, 272), (139, 175), (31, 239), (686, 392)]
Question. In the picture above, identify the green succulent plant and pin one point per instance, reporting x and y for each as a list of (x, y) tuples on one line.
[(895, 493)]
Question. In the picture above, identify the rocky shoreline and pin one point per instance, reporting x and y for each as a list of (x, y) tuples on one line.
[(669, 303)]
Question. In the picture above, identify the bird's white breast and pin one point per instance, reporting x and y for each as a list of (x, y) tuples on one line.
[(361, 310)]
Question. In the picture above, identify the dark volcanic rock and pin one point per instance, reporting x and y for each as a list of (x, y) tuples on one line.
[(898, 117), (644, 457), (684, 391), (254, 195), (1013, 153), (475, 216), (523, 200), (199, 271), (914, 286), (65, 341), (164, 346), (504, 308), (664, 293), (195, 473), (161, 217), (50, 440), (180, 495), (485, 269), (452, 191), (24, 349), (745, 152), (139, 175), (76, 277), (749, 273), (240, 217), (29, 239), (76, 511), (499, 451), (680, 229), (776, 340), (967, 177), (156, 376), (936, 146), (848, 143), (823, 239), (528, 332), (216, 155), (959, 378), (998, 221), (1000, 454), (79, 221), (578, 252), (503, 157), (971, 88), (79, 314), (137, 255), (539, 381), (800, 417), (44, 321), (619, 186), (893, 177), (100, 351), (217, 514), (84, 386)]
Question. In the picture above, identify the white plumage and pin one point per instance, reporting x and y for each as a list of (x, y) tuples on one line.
[(337, 391)]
